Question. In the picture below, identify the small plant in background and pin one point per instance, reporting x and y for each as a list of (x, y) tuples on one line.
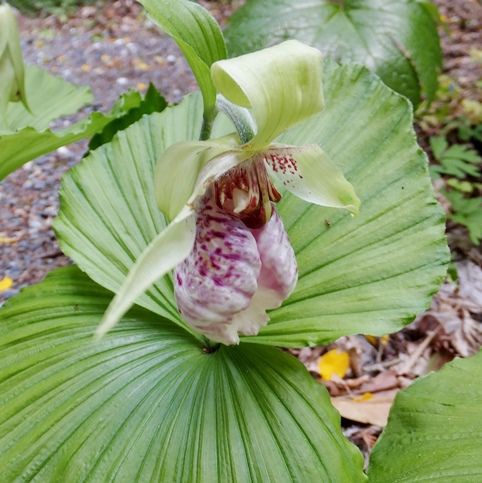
[(12, 69), (457, 160), (455, 125), (461, 167)]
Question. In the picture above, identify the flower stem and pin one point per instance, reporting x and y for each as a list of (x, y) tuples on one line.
[(210, 346), (240, 117), (207, 126)]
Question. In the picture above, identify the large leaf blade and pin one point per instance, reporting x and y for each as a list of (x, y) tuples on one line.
[(434, 431), (398, 39), (109, 211), (374, 272), (369, 274), (148, 404)]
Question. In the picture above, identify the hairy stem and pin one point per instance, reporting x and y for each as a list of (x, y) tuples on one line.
[(240, 117), (207, 126)]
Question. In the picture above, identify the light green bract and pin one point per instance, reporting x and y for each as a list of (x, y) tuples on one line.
[(280, 86), (12, 69)]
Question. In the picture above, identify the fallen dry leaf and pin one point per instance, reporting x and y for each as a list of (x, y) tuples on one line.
[(372, 409), (470, 277), (455, 311), (382, 382)]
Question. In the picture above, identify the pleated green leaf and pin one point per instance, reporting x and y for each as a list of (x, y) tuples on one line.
[(434, 431), (109, 212), (375, 272), (197, 34), (28, 136), (148, 404), (397, 39), (368, 274)]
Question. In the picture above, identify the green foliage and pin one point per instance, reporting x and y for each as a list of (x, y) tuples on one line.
[(28, 134), (461, 165), (398, 39), (467, 212), (146, 403), (434, 431), (451, 112), (458, 160), (199, 37), (444, 107), (130, 108), (458, 124), (468, 131)]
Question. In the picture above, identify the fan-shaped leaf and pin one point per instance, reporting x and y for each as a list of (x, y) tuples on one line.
[(397, 39), (109, 212), (148, 404), (370, 274), (434, 431)]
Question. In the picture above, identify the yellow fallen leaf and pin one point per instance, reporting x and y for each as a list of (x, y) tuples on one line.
[(106, 59), (363, 397), (334, 363), (5, 240), (372, 339), (5, 284), (376, 341), (140, 65)]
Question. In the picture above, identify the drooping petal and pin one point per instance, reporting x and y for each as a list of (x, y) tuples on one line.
[(166, 251), (219, 278), (179, 168), (281, 85), (308, 173)]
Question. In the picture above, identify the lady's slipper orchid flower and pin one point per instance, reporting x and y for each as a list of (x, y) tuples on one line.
[(227, 245)]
